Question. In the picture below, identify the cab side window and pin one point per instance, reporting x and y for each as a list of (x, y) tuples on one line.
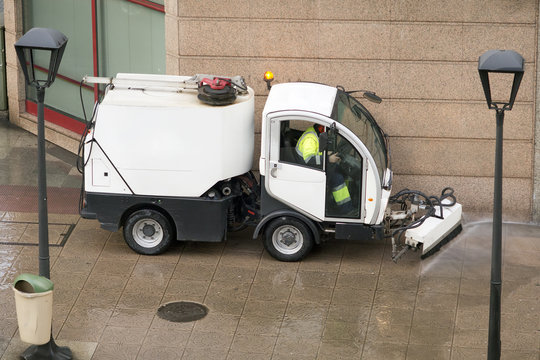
[(299, 144), (344, 181)]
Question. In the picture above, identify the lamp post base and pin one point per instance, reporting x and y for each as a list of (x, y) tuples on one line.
[(47, 351)]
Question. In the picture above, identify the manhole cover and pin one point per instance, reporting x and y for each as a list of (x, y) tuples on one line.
[(182, 311)]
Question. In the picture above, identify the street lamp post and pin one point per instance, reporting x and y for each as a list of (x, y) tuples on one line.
[(40, 44), (508, 62)]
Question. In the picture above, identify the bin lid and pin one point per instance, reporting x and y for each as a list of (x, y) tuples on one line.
[(31, 283)]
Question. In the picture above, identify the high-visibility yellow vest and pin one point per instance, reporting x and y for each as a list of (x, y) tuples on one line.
[(341, 194), (307, 146)]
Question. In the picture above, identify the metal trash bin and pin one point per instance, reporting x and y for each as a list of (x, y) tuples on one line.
[(33, 301)]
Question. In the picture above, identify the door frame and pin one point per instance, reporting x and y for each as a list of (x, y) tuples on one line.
[(369, 182)]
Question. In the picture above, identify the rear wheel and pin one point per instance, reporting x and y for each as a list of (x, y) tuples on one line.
[(288, 239), (148, 232)]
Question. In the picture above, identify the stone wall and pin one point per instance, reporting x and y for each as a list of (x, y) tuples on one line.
[(420, 56)]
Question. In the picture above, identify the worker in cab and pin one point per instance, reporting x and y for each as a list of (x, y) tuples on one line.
[(307, 149)]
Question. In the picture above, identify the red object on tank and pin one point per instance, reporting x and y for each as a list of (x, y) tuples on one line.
[(216, 83)]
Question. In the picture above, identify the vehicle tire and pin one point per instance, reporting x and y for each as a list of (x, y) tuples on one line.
[(148, 232), (288, 239)]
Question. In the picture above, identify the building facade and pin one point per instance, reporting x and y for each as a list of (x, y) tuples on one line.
[(420, 56)]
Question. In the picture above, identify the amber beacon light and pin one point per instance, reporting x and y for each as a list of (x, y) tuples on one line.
[(268, 78)]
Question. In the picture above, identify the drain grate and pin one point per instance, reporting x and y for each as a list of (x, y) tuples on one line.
[(182, 311), (27, 233)]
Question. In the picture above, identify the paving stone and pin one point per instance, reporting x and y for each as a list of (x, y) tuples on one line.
[(347, 300)]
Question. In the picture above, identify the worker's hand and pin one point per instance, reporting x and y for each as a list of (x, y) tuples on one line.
[(334, 158)]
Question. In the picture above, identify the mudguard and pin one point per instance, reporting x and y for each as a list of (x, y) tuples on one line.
[(262, 224)]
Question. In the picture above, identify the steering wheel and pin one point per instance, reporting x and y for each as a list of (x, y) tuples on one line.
[(350, 165), (343, 147)]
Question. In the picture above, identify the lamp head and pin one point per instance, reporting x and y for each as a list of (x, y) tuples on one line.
[(40, 44), (501, 61)]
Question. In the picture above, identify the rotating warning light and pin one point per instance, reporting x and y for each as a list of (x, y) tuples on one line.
[(268, 77)]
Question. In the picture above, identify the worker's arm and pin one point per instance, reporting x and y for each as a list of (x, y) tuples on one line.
[(311, 152)]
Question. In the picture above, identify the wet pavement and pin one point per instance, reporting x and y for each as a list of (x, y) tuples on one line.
[(346, 300)]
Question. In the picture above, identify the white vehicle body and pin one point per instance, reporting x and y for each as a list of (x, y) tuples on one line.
[(166, 157)]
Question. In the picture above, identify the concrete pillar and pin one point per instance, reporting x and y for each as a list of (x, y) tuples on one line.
[(15, 77), (536, 174)]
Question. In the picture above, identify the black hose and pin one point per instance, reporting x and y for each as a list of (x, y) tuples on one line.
[(80, 151), (430, 203)]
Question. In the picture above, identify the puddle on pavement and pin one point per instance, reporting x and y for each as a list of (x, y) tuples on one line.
[(472, 248), (472, 245)]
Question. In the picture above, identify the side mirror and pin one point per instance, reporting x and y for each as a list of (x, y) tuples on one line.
[(371, 96), (323, 142), (327, 140)]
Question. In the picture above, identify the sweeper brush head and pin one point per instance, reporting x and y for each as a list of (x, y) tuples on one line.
[(443, 242)]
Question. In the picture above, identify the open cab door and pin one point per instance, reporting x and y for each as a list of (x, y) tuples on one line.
[(288, 178)]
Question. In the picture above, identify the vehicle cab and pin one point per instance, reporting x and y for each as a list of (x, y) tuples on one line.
[(294, 189)]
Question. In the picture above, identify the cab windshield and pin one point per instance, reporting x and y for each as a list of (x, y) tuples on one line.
[(349, 112)]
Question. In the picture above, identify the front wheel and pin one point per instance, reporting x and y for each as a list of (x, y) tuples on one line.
[(288, 239), (148, 232)]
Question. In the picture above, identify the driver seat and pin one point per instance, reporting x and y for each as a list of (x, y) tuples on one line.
[(288, 152)]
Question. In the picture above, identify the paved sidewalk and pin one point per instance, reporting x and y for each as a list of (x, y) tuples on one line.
[(347, 300)]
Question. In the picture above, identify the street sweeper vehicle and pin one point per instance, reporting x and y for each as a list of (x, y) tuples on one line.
[(170, 157)]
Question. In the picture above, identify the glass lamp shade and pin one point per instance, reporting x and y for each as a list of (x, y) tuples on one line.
[(40, 46), (501, 61)]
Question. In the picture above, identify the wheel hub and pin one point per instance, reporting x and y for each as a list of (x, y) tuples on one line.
[(288, 238), (148, 230)]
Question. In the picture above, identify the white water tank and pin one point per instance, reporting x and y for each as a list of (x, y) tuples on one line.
[(155, 141)]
